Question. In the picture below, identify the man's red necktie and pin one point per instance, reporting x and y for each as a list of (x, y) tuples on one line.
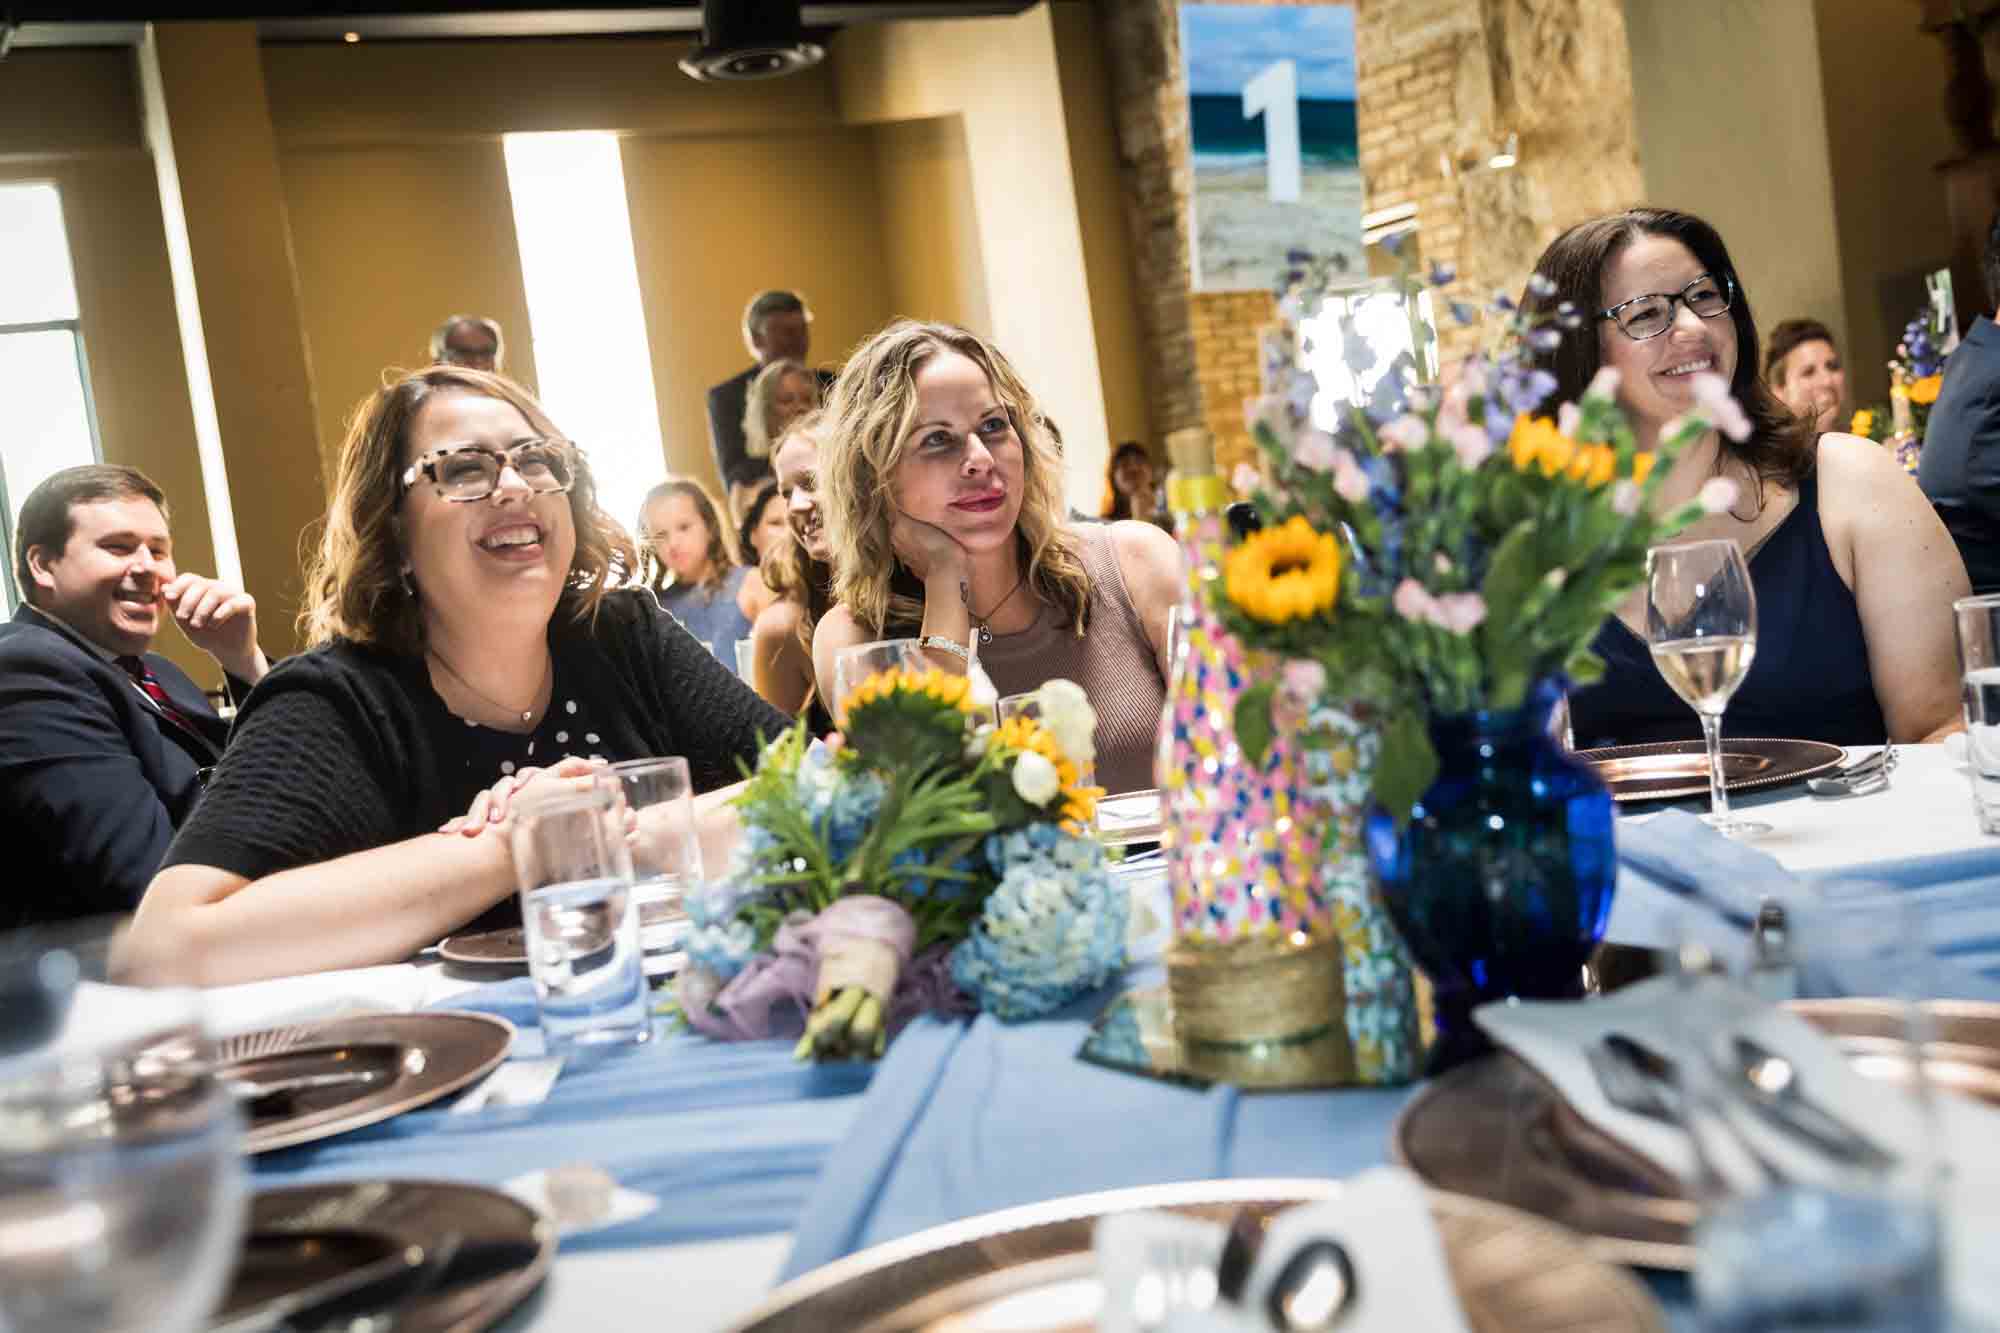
[(143, 676)]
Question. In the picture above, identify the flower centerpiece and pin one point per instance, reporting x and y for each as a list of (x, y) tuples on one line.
[(1916, 374), (1446, 553), (931, 861)]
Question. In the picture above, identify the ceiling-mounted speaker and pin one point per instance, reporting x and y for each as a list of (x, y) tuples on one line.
[(751, 39)]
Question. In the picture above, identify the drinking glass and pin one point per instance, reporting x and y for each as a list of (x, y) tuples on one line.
[(1816, 1185), (1029, 704), (1978, 620), (122, 1185), (746, 660), (854, 665), (658, 798), (582, 921), (1701, 621)]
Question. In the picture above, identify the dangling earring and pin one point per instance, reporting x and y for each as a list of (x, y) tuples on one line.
[(409, 588)]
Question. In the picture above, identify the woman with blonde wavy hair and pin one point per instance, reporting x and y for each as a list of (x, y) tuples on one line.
[(942, 493), (469, 641), (783, 391)]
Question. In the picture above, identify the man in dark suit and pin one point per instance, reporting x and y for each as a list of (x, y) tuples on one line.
[(776, 327), (1959, 468), (104, 744)]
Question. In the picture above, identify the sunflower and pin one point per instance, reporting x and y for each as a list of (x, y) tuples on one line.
[(1027, 735), (1924, 392), (1287, 573)]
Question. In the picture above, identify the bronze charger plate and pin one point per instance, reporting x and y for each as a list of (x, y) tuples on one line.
[(298, 1236), (508, 947), (372, 1066), (1666, 770), (1497, 1130), (1032, 1268)]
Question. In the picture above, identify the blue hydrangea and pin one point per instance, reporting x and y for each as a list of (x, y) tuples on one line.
[(1052, 929), (717, 937)]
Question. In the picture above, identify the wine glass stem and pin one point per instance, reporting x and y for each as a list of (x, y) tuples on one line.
[(1718, 797)]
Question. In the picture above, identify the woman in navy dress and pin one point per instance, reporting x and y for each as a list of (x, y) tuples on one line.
[(1854, 573)]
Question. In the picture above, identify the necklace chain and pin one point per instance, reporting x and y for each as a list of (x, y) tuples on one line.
[(982, 623), (527, 714)]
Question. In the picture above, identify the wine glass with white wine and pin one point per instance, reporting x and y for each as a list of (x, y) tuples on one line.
[(1701, 622)]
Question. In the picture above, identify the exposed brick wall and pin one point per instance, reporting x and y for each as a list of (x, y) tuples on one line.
[(1438, 82)]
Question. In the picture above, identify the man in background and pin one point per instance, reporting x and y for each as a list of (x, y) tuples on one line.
[(103, 743), (469, 341), (776, 327), (1959, 467)]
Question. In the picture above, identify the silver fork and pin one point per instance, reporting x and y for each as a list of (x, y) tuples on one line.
[(1858, 779)]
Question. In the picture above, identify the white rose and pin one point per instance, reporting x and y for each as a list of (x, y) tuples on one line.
[(1035, 779), (1067, 713)]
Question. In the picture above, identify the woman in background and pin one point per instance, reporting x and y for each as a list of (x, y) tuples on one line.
[(1804, 369), (1129, 487), (943, 497), (797, 573), (783, 392), (763, 528), (688, 560)]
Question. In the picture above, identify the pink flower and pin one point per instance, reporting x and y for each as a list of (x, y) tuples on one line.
[(1458, 612), (1350, 483), (1471, 381), (1413, 601), (1568, 417), (1717, 495), (1405, 432), (1604, 384), (1711, 394), (1245, 479), (1625, 498), (1315, 449), (1471, 443), (1299, 686)]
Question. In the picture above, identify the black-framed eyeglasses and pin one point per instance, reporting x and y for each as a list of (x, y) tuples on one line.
[(461, 472), (1651, 315)]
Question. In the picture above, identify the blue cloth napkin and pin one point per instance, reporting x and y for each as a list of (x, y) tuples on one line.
[(1680, 853), (968, 1116), (730, 1136)]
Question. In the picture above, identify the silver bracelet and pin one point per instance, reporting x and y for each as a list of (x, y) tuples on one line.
[(952, 646)]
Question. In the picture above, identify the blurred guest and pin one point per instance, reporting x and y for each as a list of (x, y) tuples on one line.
[(782, 392), (1854, 574), (1129, 489), (776, 327), (470, 646), (1959, 466), (764, 525), (1803, 368), (797, 573), (469, 341), (943, 495), (687, 559), (103, 743)]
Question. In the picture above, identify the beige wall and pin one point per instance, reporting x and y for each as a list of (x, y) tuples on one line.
[(93, 154), (931, 260), (716, 219), (387, 242), (1001, 76), (1732, 126), (1883, 80)]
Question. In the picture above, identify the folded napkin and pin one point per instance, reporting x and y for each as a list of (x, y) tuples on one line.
[(1380, 1218), (1677, 851), (1553, 1036), (229, 1010)]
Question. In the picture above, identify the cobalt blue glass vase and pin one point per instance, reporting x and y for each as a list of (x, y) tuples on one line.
[(1501, 882)]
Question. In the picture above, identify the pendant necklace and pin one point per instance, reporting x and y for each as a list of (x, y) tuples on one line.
[(527, 714), (980, 622)]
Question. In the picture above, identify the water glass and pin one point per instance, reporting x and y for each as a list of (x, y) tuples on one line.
[(1797, 1231), (1978, 620), (746, 660), (854, 665), (1029, 704), (661, 838), (581, 919), (122, 1185)]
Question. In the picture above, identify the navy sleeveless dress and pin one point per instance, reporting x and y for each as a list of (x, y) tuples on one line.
[(1810, 679)]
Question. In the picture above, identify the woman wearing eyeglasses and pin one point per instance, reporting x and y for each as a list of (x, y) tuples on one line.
[(469, 646), (1854, 573)]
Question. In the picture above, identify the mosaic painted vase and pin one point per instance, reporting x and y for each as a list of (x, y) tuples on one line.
[(1273, 852)]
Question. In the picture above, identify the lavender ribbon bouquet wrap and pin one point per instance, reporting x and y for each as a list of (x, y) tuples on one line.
[(931, 862)]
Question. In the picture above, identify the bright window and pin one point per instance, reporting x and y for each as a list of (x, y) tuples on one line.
[(594, 367), (46, 420)]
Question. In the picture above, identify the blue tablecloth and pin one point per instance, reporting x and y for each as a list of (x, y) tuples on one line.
[(731, 1137)]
